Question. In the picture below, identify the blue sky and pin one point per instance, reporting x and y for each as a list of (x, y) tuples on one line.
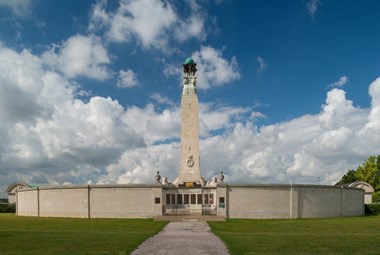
[(90, 90)]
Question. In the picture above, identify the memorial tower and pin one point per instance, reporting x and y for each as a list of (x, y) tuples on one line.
[(189, 169)]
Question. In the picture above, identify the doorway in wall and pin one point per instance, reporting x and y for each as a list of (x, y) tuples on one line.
[(195, 201)]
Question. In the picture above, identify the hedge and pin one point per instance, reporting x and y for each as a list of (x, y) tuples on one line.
[(7, 208), (372, 209)]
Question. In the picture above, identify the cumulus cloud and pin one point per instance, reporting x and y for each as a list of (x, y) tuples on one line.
[(338, 110), (19, 7), (80, 56), (342, 81), (262, 65), (213, 117), (151, 23), (140, 165), (151, 125), (213, 69), (308, 149), (373, 117), (127, 79), (47, 135)]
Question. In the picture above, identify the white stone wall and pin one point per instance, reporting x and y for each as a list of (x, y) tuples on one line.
[(121, 202), (27, 203), (95, 201), (258, 202), (291, 201), (241, 201), (64, 202), (319, 202), (352, 202)]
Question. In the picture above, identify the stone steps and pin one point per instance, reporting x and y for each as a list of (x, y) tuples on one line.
[(187, 218)]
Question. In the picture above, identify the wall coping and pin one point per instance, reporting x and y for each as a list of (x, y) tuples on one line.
[(220, 185), (95, 186), (288, 186)]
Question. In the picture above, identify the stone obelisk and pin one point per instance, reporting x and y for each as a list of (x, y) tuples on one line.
[(189, 171)]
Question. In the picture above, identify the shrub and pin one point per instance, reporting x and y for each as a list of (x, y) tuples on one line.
[(372, 209), (7, 208), (3, 200)]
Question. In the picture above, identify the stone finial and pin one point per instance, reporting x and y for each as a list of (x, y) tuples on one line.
[(158, 176), (221, 176)]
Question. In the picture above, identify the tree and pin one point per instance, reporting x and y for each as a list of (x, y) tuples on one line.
[(349, 177), (369, 171), (377, 181)]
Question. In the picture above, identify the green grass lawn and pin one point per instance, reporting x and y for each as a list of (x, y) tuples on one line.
[(357, 235), (44, 236)]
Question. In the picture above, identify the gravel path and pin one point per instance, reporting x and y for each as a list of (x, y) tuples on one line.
[(184, 238)]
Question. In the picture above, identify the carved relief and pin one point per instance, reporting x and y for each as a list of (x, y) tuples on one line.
[(190, 161)]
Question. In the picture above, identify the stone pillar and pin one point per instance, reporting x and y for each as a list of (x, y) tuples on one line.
[(293, 202), (222, 199), (38, 202), (157, 199), (16, 203)]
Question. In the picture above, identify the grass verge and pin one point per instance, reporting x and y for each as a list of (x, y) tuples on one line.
[(29, 235), (357, 235)]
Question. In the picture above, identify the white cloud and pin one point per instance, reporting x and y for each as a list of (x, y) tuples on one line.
[(147, 21), (213, 69), (338, 110), (80, 56), (127, 79), (191, 27), (140, 165), (342, 81), (150, 22), (312, 6), (49, 136), (19, 7), (262, 66), (151, 125), (213, 117), (303, 150), (161, 99), (172, 70), (157, 126), (374, 115), (46, 134)]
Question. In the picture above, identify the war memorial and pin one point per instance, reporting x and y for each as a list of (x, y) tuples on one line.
[(189, 193)]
